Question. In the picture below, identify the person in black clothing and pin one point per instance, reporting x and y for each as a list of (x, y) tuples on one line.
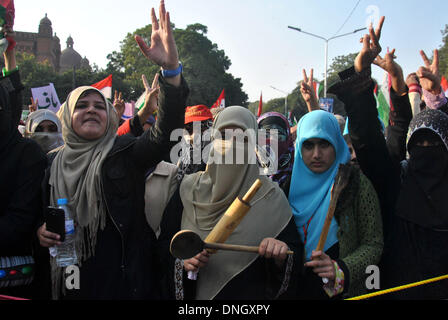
[(103, 178), (410, 189), (22, 166)]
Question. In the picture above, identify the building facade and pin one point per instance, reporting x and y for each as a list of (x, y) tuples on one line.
[(47, 47)]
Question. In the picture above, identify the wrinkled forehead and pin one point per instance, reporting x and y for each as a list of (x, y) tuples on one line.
[(91, 95), (81, 93)]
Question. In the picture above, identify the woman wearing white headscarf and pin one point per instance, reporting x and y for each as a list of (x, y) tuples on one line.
[(103, 178), (44, 127), (205, 197)]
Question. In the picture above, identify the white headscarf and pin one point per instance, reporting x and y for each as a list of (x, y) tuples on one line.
[(47, 140)]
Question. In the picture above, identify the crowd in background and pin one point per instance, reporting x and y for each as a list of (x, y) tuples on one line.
[(128, 199)]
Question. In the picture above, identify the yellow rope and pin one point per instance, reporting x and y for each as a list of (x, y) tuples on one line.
[(366, 296)]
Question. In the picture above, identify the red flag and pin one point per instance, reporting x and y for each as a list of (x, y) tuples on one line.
[(105, 86), (221, 102), (7, 13), (260, 105), (444, 84)]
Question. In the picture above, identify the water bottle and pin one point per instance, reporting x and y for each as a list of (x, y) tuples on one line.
[(66, 253)]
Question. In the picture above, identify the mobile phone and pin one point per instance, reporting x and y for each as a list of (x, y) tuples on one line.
[(55, 219)]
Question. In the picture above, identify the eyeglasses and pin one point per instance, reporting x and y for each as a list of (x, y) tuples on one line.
[(204, 126)]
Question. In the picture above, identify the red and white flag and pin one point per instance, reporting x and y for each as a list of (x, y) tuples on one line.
[(105, 86), (221, 102)]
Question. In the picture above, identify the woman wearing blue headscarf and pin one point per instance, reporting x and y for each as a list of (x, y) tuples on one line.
[(355, 238)]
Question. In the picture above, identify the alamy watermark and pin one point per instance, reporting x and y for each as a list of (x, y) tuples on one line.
[(228, 146)]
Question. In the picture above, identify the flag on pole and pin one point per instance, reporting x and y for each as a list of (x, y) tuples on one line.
[(105, 86), (444, 84), (383, 100), (318, 88), (7, 13), (221, 102), (140, 101), (260, 105)]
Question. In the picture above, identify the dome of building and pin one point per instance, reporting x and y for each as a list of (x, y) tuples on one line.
[(69, 57), (45, 28), (45, 21)]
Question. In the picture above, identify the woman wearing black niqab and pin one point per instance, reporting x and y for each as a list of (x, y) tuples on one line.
[(418, 247)]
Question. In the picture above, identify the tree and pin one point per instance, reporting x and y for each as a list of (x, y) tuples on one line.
[(339, 63), (443, 53), (204, 66)]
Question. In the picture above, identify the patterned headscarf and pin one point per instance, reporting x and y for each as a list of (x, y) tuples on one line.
[(286, 148)]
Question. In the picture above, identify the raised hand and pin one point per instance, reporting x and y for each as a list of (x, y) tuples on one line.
[(307, 91), (163, 50), (10, 54), (371, 47), (388, 64), (412, 79), (395, 71), (152, 93), (119, 104), (151, 98), (429, 74), (33, 106)]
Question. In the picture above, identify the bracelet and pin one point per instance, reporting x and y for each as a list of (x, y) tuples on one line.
[(172, 73), (8, 72)]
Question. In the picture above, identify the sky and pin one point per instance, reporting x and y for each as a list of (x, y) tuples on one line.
[(254, 34)]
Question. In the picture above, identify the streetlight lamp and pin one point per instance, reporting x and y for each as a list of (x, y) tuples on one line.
[(286, 98), (326, 48)]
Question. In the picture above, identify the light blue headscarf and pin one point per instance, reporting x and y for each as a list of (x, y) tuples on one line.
[(309, 194)]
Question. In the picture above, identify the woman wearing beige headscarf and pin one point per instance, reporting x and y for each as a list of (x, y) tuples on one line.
[(103, 178), (206, 195)]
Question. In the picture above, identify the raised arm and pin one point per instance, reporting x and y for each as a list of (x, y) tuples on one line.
[(308, 93), (430, 81), (356, 91), (163, 49), (400, 114), (155, 143)]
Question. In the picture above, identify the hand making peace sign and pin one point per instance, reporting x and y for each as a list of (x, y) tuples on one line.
[(371, 47), (429, 74)]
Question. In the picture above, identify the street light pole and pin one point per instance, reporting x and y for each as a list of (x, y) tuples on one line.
[(326, 48), (286, 98)]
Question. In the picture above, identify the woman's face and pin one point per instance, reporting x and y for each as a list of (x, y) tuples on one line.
[(89, 120), (46, 126), (318, 154)]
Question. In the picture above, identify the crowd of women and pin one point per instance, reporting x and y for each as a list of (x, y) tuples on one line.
[(128, 199)]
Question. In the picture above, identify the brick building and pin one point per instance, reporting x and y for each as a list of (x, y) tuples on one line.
[(46, 46)]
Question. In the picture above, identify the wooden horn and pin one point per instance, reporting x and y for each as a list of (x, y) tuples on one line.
[(232, 217)]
